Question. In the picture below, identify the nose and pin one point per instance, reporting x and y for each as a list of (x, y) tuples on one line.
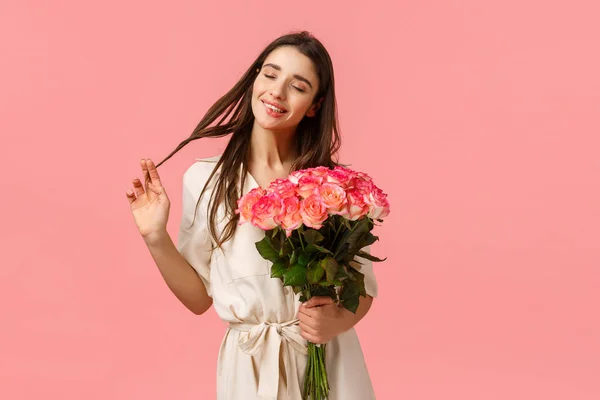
[(277, 91)]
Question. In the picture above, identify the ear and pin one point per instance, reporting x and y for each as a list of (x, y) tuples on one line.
[(313, 109)]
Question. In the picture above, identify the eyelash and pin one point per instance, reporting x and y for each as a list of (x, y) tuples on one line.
[(272, 77)]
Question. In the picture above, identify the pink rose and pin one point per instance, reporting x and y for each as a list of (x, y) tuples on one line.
[(364, 176), (265, 210), (341, 176), (295, 176), (289, 218), (307, 185), (246, 202), (333, 197), (357, 206), (362, 185), (283, 187), (313, 211), (379, 206), (319, 171)]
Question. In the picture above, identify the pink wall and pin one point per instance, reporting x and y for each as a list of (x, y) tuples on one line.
[(480, 121)]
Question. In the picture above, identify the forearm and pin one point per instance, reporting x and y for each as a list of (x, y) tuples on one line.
[(178, 274), (350, 318)]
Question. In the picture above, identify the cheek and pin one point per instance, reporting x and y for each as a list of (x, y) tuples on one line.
[(301, 106), (255, 88)]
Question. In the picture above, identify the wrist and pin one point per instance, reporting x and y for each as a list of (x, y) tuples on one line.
[(156, 237)]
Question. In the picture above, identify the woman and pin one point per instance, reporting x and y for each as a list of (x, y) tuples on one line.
[(282, 118)]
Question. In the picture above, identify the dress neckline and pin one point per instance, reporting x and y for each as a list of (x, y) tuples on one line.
[(253, 182)]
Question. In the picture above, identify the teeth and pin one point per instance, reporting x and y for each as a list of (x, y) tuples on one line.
[(273, 108)]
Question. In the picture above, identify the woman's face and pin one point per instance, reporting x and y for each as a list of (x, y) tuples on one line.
[(287, 81)]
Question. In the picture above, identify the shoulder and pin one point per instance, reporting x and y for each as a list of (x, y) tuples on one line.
[(201, 169)]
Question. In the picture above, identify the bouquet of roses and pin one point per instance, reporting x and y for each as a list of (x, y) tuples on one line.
[(316, 222)]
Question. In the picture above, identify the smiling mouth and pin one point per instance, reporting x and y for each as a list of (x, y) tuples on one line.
[(273, 108)]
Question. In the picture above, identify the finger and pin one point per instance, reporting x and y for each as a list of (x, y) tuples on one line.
[(311, 338), (306, 319), (137, 186), (318, 301), (309, 313), (307, 328), (145, 172), (154, 177), (152, 187), (130, 196)]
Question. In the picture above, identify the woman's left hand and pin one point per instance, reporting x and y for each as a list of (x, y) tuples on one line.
[(321, 319)]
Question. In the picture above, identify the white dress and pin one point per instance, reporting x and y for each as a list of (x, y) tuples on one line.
[(262, 355)]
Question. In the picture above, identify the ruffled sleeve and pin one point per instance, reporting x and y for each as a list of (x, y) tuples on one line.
[(194, 242), (366, 267)]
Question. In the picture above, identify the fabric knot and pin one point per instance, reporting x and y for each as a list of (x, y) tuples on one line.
[(277, 326), (267, 338)]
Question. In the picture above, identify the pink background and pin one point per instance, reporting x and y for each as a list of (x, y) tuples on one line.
[(479, 120)]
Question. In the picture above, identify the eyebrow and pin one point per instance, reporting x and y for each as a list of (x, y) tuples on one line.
[(299, 77)]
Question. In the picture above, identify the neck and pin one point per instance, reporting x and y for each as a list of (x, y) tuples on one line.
[(271, 149)]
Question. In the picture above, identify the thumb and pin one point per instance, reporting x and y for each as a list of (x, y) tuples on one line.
[(318, 301)]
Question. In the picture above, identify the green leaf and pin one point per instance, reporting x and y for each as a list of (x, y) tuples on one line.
[(322, 249), (278, 269), (312, 236), (266, 250), (297, 289), (355, 275), (359, 236), (293, 257), (358, 278), (305, 295), (346, 223), (275, 243), (349, 296), (314, 273), (332, 284), (368, 256), (345, 257), (361, 288), (342, 274), (303, 258), (331, 268), (311, 249), (342, 252), (295, 276), (370, 239), (287, 248)]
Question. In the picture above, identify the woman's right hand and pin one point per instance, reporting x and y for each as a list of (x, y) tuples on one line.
[(149, 205)]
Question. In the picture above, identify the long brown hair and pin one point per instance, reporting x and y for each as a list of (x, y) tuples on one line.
[(316, 140)]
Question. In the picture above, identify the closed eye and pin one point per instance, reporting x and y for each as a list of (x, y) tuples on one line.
[(273, 77)]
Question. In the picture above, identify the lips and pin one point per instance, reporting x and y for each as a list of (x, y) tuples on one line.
[(275, 105)]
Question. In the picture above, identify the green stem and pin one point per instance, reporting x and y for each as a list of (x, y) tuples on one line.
[(316, 384), (300, 237), (351, 230), (340, 225)]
